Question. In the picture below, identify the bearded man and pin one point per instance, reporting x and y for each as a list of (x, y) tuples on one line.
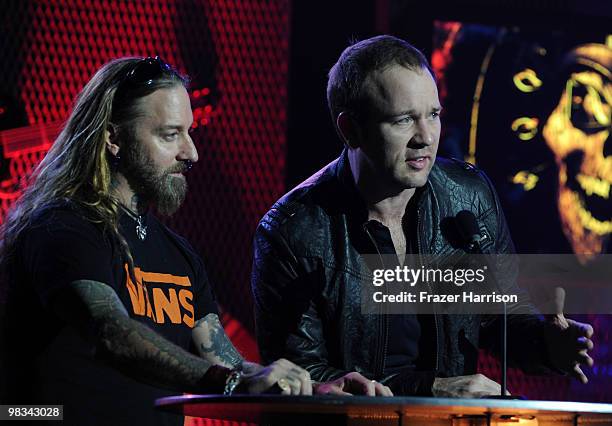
[(106, 305)]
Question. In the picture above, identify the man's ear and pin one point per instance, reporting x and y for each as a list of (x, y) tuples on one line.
[(110, 139), (348, 129)]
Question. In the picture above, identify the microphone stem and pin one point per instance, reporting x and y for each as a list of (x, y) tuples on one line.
[(504, 351)]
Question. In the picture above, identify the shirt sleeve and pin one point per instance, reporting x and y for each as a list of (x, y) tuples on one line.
[(206, 302), (64, 247)]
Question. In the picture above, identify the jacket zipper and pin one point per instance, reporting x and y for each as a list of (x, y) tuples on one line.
[(385, 320), (435, 316)]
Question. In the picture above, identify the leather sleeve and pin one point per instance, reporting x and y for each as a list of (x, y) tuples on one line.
[(285, 289)]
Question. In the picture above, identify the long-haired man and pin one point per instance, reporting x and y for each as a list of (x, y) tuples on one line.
[(104, 301)]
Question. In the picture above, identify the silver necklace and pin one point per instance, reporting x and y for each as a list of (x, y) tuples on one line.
[(141, 228)]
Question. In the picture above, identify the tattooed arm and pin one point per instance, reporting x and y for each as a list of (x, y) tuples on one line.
[(96, 310), (213, 344)]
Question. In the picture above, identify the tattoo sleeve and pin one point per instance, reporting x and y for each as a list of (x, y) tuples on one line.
[(213, 344), (130, 345)]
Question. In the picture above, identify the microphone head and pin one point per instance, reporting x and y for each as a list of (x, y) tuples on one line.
[(468, 228)]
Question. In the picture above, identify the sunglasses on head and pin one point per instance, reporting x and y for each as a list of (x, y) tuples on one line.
[(146, 71)]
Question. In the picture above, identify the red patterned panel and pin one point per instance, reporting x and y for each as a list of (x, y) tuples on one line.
[(242, 171)]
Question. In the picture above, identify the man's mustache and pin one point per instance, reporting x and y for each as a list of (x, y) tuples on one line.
[(182, 167)]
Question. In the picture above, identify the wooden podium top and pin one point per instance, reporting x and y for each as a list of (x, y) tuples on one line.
[(251, 408)]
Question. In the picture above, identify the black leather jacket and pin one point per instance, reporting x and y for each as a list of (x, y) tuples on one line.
[(306, 280)]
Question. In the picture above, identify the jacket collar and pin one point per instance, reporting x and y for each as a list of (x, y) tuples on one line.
[(352, 203)]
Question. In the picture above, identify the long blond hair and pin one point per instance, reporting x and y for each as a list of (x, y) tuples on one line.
[(78, 168)]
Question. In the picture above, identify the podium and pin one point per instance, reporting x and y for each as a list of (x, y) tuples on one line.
[(323, 410)]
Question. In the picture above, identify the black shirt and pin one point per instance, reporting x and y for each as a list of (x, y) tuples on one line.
[(51, 362), (404, 331)]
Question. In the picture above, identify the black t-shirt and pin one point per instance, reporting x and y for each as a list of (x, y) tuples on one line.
[(49, 361)]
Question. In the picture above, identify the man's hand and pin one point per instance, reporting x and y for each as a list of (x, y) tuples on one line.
[(568, 341), (352, 384), (291, 379), (473, 386)]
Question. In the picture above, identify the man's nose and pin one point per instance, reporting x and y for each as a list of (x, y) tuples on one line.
[(188, 150), (424, 134)]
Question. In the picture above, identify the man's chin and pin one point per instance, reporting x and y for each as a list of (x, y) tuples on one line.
[(168, 208), (168, 203), (414, 181)]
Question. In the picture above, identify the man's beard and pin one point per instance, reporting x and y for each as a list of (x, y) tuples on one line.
[(161, 189)]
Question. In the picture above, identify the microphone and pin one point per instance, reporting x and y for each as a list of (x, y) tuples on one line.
[(469, 231)]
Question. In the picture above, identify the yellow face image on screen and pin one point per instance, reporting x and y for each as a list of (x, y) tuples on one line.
[(564, 107), (580, 126)]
